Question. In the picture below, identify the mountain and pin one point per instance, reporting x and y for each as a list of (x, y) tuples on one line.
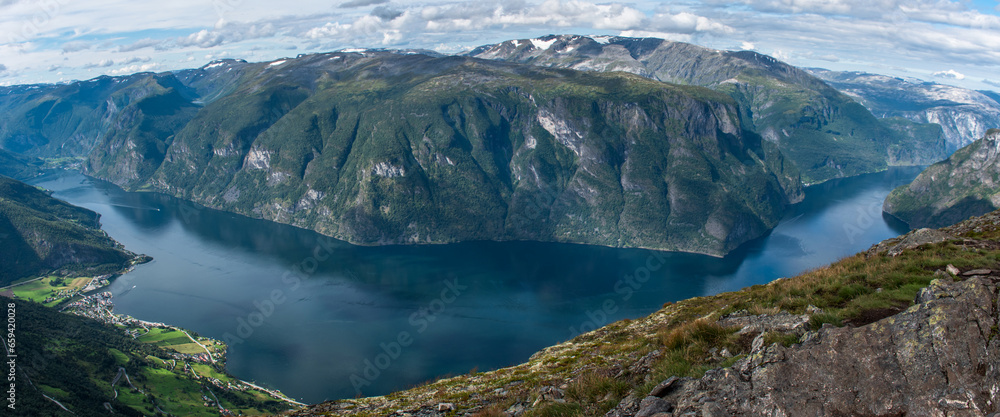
[(963, 114), (380, 147), (964, 185), (919, 311), (42, 235), (18, 166), (823, 132)]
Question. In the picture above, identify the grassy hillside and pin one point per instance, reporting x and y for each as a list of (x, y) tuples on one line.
[(43, 235), (74, 361)]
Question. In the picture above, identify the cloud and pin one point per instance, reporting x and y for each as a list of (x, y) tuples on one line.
[(952, 74), (748, 46), (389, 25), (687, 23), (135, 59), (132, 69), (76, 46), (991, 82), (361, 3), (139, 44), (228, 34), (828, 58), (100, 64), (385, 13)]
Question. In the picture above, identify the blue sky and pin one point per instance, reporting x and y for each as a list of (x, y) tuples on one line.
[(949, 41)]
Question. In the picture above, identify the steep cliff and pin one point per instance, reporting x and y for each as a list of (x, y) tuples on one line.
[(824, 133), (964, 185)]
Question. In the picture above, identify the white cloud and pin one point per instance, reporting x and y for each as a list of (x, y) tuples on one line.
[(132, 69), (135, 59), (361, 3), (955, 75), (921, 36), (227, 34), (748, 46), (991, 82), (76, 46), (100, 64), (140, 44)]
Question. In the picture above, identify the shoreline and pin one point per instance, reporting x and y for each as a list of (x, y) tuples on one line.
[(98, 302)]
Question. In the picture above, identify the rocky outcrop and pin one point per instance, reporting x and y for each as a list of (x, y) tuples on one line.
[(964, 185), (940, 357)]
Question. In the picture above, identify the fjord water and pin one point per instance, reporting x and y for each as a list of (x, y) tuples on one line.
[(321, 319)]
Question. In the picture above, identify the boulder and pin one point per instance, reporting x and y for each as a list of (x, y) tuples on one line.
[(939, 357)]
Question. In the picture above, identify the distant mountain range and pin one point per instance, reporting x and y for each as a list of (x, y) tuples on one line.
[(543, 139), (964, 114)]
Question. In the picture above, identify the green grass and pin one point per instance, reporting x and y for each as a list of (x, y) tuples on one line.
[(39, 290)]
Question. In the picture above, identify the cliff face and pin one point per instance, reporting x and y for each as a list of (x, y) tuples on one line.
[(964, 185), (823, 132), (906, 328)]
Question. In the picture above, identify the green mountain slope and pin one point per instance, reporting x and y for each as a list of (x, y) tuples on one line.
[(964, 185), (18, 166), (42, 235), (825, 133), (381, 147), (387, 148), (65, 362)]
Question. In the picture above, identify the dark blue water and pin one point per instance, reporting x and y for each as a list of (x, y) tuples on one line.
[(320, 319)]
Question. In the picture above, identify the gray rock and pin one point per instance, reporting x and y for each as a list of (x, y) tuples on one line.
[(663, 388), (939, 357), (781, 322), (977, 272), (650, 406), (919, 237), (446, 407), (627, 407), (713, 409), (953, 270)]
